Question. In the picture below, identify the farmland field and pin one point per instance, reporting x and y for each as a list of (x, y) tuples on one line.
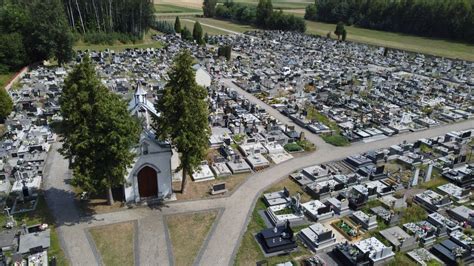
[(169, 8), (283, 4)]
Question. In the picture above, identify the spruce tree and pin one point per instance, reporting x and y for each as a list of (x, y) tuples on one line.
[(197, 32), (339, 30), (177, 25), (264, 12), (186, 34), (6, 104), (183, 115), (98, 132)]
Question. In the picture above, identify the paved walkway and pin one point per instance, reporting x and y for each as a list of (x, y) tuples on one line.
[(60, 200), (225, 239)]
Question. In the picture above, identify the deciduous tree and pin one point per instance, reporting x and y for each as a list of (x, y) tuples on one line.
[(209, 8), (6, 104)]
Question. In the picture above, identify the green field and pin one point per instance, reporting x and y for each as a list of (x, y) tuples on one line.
[(147, 42), (4, 78), (169, 8), (411, 43), (283, 4), (115, 243)]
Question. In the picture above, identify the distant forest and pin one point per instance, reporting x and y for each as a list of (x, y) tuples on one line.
[(453, 19), (123, 16)]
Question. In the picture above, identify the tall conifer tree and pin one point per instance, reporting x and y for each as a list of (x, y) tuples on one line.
[(183, 115)]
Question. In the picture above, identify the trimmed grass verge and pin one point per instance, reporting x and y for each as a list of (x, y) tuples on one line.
[(5, 78), (181, 227), (115, 243), (147, 42), (336, 140), (249, 251)]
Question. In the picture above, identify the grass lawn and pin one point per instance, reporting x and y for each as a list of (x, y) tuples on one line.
[(42, 215), (436, 180), (292, 187), (411, 43), (200, 190), (115, 243), (5, 78), (250, 252), (181, 226), (147, 42), (336, 140), (170, 8), (413, 213)]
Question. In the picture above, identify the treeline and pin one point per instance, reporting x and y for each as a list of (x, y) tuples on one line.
[(124, 16), (32, 31), (453, 19), (262, 16)]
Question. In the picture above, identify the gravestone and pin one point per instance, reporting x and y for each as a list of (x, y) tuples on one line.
[(415, 175), (428, 172), (218, 188)]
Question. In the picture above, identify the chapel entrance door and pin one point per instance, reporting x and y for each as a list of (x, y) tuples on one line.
[(147, 182)]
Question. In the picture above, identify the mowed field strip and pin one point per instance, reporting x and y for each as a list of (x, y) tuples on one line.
[(438, 47)]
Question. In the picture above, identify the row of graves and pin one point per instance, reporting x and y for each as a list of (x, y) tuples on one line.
[(122, 70), (23, 152), (369, 92), (245, 138), (341, 192)]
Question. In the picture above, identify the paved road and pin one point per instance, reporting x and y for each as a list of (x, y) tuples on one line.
[(318, 141), (215, 27), (224, 241)]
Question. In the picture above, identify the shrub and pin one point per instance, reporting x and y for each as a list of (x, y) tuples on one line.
[(292, 147), (336, 140)]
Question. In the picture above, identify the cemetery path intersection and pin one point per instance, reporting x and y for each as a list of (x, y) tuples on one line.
[(224, 241)]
